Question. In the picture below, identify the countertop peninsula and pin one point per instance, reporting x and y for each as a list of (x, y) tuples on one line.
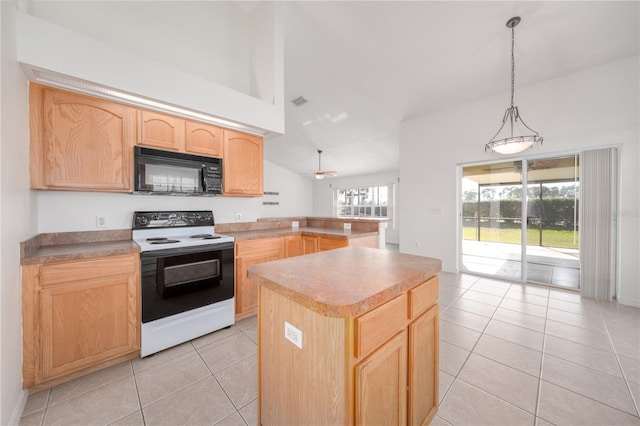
[(348, 336), (345, 282)]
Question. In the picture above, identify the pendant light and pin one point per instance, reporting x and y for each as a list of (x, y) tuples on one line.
[(510, 140)]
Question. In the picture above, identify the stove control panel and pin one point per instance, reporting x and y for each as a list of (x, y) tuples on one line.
[(172, 219)]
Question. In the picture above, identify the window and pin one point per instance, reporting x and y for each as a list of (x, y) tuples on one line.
[(365, 202)]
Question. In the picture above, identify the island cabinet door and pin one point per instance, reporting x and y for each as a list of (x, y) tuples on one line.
[(382, 376), (423, 368)]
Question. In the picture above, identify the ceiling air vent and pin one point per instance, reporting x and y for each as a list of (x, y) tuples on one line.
[(299, 101)]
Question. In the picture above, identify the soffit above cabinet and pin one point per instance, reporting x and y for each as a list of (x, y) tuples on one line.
[(76, 62)]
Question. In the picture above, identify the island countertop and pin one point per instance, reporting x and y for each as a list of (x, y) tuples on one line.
[(345, 282)]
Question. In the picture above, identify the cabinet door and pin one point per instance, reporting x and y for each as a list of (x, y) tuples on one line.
[(243, 164), (88, 322), (203, 139), (383, 377), (423, 367), (161, 131), (310, 244), (79, 142), (247, 290), (293, 246), (326, 243)]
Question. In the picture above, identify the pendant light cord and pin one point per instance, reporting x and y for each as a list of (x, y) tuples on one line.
[(513, 64)]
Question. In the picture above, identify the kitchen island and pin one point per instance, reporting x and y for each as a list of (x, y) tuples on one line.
[(348, 336)]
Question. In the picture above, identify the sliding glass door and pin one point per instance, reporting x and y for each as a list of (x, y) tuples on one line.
[(492, 219), (520, 220)]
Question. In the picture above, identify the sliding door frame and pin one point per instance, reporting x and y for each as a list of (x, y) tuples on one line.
[(524, 159)]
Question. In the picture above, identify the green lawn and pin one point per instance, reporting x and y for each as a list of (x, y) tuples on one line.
[(550, 237)]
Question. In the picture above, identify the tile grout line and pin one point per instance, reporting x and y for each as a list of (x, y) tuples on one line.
[(615, 352), (542, 356), (236, 409), (135, 382), (441, 400), (472, 349), (577, 393), (46, 408)]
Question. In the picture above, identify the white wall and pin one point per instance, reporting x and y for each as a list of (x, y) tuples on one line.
[(45, 45), (207, 39), (323, 196), (17, 215), (593, 108), (64, 211)]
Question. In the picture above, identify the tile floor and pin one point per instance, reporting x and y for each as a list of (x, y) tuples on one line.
[(509, 355)]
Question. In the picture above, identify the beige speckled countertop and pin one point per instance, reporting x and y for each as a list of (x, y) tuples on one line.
[(283, 232), (63, 246), (345, 282)]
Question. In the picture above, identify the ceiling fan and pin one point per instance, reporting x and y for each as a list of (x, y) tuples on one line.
[(320, 174)]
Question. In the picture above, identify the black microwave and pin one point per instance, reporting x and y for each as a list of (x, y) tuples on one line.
[(176, 173)]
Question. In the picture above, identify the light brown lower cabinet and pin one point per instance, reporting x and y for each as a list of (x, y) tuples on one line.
[(310, 244), (293, 245), (78, 315), (328, 243), (252, 252), (383, 377), (380, 368)]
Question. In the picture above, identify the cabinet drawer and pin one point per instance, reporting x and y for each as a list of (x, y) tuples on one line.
[(80, 270), (325, 243), (256, 246), (377, 326), (423, 296)]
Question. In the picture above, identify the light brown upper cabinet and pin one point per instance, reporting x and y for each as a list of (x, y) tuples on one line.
[(177, 134), (78, 142), (161, 131), (243, 164), (203, 139)]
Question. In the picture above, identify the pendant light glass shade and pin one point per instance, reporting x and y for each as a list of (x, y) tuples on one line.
[(514, 135)]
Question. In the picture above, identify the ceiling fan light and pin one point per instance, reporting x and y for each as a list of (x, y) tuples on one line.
[(319, 176)]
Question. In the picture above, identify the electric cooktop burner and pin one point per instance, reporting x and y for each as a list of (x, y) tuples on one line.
[(162, 241), (206, 236), (157, 239)]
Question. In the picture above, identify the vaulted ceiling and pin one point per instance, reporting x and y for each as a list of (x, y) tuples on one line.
[(366, 66)]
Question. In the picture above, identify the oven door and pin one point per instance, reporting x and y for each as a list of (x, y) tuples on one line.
[(181, 279)]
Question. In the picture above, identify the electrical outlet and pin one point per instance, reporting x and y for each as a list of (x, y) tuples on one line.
[(347, 227), (294, 224), (292, 334), (101, 222), (238, 217)]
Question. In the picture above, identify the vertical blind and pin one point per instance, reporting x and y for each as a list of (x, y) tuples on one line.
[(598, 223)]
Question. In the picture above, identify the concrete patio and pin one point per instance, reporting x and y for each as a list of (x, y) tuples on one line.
[(546, 265)]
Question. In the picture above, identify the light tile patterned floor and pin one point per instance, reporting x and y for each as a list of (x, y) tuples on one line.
[(509, 355)]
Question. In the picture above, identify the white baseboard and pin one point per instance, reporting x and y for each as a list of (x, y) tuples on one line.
[(629, 302), (18, 409)]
